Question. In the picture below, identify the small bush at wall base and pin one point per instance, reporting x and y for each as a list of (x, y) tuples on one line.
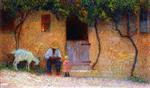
[(40, 70), (23, 69), (6, 66), (138, 79), (2, 66)]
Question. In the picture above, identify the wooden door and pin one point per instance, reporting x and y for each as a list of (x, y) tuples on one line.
[(78, 52), (77, 42)]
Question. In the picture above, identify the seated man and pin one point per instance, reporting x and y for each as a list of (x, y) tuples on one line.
[(53, 56)]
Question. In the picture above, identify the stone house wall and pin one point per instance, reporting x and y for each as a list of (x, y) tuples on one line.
[(117, 53)]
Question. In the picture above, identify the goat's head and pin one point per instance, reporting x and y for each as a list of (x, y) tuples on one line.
[(36, 60)]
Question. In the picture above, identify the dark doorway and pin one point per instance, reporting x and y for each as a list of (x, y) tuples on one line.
[(77, 43), (76, 30)]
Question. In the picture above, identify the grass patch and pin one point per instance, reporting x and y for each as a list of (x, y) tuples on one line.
[(40, 70), (36, 70), (6, 66), (138, 79)]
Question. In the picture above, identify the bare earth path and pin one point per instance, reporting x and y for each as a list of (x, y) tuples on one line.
[(11, 79)]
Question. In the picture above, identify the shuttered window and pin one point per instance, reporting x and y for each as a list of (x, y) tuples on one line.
[(45, 23), (144, 21)]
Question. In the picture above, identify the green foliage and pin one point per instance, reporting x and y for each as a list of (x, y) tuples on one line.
[(23, 5), (57, 8), (106, 9), (138, 79), (94, 10), (36, 70), (39, 70), (149, 4), (6, 66), (15, 6), (117, 8), (86, 10), (145, 3)]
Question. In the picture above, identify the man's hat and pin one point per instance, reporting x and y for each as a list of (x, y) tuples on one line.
[(66, 57)]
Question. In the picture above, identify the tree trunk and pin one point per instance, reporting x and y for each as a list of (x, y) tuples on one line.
[(16, 40), (17, 36), (19, 28), (133, 43), (99, 44), (135, 56), (131, 40)]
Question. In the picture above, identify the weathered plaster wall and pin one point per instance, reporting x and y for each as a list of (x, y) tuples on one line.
[(143, 65), (38, 42), (117, 53), (7, 42)]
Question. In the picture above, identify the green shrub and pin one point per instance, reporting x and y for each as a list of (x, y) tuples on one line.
[(37, 69), (40, 70), (138, 79), (2, 66), (6, 66)]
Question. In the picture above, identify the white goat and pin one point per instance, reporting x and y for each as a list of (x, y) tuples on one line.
[(24, 55)]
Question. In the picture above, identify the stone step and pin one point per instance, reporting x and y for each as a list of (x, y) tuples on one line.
[(81, 67), (84, 73)]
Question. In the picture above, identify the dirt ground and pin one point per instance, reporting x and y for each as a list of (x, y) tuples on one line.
[(12, 79)]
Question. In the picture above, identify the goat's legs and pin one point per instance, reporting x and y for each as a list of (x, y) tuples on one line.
[(28, 65), (15, 65)]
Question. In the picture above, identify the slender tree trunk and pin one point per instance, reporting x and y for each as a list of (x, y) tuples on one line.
[(16, 41), (19, 28), (134, 45), (17, 36), (131, 40), (99, 44), (135, 56)]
